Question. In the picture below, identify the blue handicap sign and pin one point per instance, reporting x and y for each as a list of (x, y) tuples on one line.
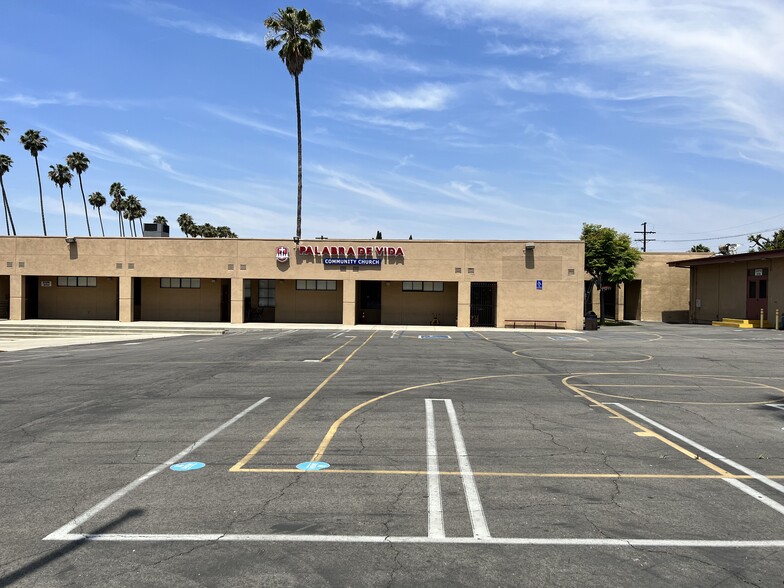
[(435, 337), (538, 284), (186, 466), (312, 466)]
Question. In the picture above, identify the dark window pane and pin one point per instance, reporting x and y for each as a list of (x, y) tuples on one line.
[(763, 288), (752, 289)]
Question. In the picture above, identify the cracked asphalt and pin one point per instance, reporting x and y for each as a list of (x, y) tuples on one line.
[(574, 440)]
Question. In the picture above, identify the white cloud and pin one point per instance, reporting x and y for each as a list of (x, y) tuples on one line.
[(348, 183), (62, 99), (153, 153), (719, 60), (210, 30), (393, 35), (247, 122), (499, 48), (373, 58), (423, 97)]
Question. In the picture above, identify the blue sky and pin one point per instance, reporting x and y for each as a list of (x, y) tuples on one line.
[(441, 119)]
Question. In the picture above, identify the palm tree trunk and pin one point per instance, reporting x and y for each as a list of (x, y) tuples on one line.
[(87, 218), (65, 219), (7, 208), (122, 228), (103, 234), (40, 194), (299, 160)]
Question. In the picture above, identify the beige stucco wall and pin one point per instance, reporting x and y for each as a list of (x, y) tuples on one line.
[(308, 306), (5, 296), (180, 304), (557, 263), (418, 308), (719, 291), (659, 293), (60, 302), (664, 289)]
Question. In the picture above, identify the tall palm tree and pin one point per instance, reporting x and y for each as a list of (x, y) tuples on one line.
[(117, 192), (296, 33), (5, 165), (133, 208), (4, 130), (61, 175), (97, 200), (186, 224), (78, 162), (33, 142), (161, 220)]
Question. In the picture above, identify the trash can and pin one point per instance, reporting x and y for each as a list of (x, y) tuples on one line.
[(591, 323)]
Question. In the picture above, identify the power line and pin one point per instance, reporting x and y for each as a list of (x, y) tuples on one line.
[(715, 238)]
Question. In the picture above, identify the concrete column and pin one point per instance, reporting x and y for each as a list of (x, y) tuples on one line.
[(237, 301), (16, 310), (126, 299), (464, 303), (349, 302)]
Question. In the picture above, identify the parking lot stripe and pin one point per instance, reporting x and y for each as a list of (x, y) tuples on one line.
[(759, 496), (241, 463), (302, 538), (435, 513), (350, 339), (478, 522), (87, 515), (703, 449)]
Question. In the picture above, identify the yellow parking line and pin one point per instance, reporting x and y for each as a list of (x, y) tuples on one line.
[(239, 465), (681, 449), (338, 349), (509, 474)]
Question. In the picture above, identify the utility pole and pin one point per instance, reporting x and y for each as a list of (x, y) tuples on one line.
[(645, 232)]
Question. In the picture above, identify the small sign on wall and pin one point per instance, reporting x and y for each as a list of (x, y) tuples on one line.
[(46, 284), (539, 284)]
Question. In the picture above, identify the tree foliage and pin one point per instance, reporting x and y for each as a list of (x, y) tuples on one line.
[(699, 248), (760, 243), (609, 255)]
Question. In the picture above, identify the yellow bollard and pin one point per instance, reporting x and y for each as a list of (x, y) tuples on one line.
[(762, 317)]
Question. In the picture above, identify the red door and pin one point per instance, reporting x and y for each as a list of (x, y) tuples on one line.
[(756, 297)]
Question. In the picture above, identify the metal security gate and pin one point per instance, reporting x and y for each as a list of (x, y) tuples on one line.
[(483, 300)]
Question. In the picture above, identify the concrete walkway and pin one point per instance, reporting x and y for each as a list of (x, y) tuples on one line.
[(19, 344)]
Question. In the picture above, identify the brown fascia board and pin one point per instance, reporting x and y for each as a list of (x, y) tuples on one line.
[(717, 259)]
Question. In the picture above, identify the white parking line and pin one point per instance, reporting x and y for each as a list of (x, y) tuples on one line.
[(435, 513), (64, 531), (301, 538), (279, 335), (478, 522), (705, 450)]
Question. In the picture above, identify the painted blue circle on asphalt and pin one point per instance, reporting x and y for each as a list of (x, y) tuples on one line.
[(312, 466), (186, 466)]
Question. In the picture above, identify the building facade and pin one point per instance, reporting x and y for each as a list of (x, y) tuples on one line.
[(735, 286), (342, 282)]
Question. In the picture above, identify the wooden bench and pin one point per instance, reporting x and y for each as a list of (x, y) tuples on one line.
[(550, 324)]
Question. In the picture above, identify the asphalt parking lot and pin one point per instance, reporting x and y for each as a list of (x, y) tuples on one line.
[(646, 455)]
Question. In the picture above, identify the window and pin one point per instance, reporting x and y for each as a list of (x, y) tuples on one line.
[(423, 286), (317, 285), (267, 293), (77, 282), (181, 283)]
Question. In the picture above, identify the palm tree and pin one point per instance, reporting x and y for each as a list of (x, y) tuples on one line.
[(297, 33), (5, 165), (160, 220), (33, 142), (4, 130), (129, 213), (78, 162), (97, 200), (117, 192), (186, 224), (61, 175)]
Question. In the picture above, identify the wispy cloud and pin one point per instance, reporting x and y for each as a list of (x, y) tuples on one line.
[(354, 185), (62, 99), (245, 121), (394, 35), (152, 153), (720, 59), (211, 30), (374, 58), (423, 97), (499, 48)]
